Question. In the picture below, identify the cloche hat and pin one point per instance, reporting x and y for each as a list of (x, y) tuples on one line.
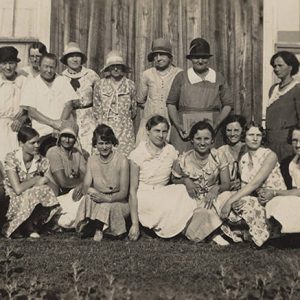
[(199, 47), (160, 45), (114, 58), (72, 47), (9, 53)]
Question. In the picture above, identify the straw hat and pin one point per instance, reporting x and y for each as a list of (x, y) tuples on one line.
[(199, 47), (114, 58), (160, 45), (72, 47)]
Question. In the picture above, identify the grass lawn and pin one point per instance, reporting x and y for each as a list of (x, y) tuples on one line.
[(62, 266)]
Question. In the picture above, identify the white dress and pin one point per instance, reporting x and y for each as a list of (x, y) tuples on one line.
[(164, 208), (286, 209)]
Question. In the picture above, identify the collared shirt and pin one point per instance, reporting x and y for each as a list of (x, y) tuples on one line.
[(47, 99), (211, 76)]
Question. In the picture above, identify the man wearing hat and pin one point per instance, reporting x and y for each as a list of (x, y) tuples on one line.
[(201, 93), (156, 83), (45, 98)]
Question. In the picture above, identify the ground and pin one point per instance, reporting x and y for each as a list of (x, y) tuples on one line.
[(62, 266)]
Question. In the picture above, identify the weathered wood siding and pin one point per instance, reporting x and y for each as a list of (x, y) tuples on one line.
[(232, 27)]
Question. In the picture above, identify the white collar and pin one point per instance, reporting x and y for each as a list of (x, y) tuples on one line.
[(194, 78), (34, 164)]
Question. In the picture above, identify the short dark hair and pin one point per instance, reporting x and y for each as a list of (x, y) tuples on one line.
[(50, 56), (201, 125), (155, 120), (38, 45), (26, 133), (105, 133), (260, 128), (290, 133), (289, 58), (232, 119)]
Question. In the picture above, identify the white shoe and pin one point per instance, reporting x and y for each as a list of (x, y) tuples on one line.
[(218, 239), (98, 236), (34, 235)]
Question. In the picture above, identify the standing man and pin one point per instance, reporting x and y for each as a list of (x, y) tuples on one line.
[(156, 83), (44, 98), (200, 93)]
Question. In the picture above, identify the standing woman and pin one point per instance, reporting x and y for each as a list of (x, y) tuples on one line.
[(283, 111), (114, 101), (32, 200), (83, 81), (200, 93), (232, 130)]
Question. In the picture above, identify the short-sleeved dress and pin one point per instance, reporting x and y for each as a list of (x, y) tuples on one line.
[(106, 179), (72, 165), (21, 206), (286, 209), (164, 208), (192, 95), (116, 107), (205, 176), (84, 82)]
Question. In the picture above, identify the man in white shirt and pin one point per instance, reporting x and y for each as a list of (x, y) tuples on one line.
[(44, 98)]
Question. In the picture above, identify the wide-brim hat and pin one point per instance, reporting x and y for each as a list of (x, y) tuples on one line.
[(160, 45), (69, 127), (199, 47), (115, 58), (9, 53), (71, 48)]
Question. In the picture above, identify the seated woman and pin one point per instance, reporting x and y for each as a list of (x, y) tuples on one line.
[(232, 130), (284, 205), (68, 167), (259, 169), (199, 170), (32, 201), (164, 208), (106, 183)]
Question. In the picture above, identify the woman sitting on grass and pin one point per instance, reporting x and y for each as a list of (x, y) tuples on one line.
[(199, 170), (104, 206), (164, 208), (68, 167), (259, 169), (284, 205), (32, 200)]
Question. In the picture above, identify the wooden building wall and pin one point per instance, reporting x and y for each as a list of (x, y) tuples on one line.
[(234, 29)]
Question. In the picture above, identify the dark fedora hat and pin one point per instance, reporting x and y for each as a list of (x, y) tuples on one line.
[(9, 53), (199, 47), (160, 45)]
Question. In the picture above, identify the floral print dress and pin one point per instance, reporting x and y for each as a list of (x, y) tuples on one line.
[(21, 206), (116, 107)]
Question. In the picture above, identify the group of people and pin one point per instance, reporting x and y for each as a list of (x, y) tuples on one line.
[(70, 158)]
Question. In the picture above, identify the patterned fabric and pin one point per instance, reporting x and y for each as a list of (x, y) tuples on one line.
[(21, 206), (205, 176), (85, 80), (116, 107)]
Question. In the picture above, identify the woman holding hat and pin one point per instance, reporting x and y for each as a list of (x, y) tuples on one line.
[(155, 84), (114, 101), (67, 167), (201, 93), (83, 81)]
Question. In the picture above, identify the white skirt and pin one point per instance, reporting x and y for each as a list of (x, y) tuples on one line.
[(286, 210), (165, 209)]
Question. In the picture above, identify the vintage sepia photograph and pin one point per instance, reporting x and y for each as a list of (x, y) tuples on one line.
[(149, 149)]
